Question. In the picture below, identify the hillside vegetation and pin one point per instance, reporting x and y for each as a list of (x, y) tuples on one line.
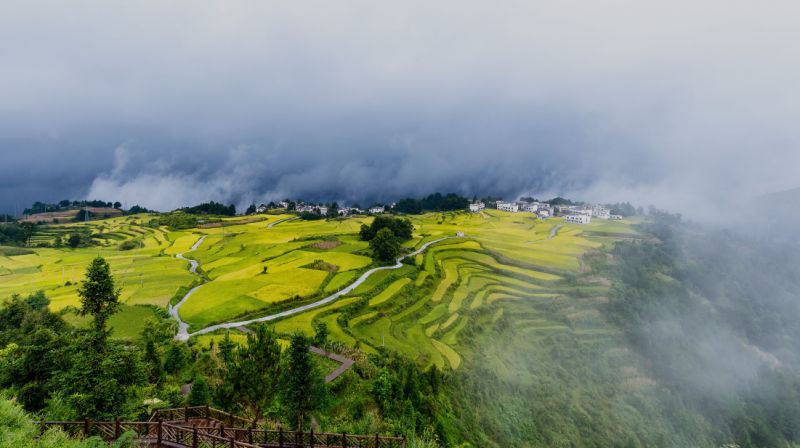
[(523, 332)]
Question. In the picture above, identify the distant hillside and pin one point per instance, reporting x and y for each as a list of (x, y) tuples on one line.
[(62, 216)]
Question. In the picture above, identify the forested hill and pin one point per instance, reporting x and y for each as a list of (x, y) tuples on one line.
[(697, 344), (715, 315)]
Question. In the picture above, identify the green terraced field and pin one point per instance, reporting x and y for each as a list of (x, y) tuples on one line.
[(420, 310)]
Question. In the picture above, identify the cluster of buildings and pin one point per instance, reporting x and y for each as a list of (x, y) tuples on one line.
[(321, 209), (578, 214)]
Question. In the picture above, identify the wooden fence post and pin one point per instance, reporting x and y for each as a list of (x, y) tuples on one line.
[(194, 437), (250, 436), (377, 441), (186, 413), (312, 438), (222, 430), (299, 434), (344, 440), (208, 412), (86, 425), (233, 442), (404, 441), (280, 436), (43, 427), (230, 420), (117, 429), (159, 433)]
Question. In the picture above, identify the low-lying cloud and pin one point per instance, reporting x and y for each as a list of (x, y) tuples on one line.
[(679, 105)]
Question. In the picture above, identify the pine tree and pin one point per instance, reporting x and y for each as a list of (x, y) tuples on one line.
[(303, 388), (200, 393), (98, 295)]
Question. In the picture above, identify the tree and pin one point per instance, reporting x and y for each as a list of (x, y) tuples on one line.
[(401, 228), (333, 210), (250, 210), (254, 372), (320, 334), (385, 246), (200, 393), (28, 228), (98, 295), (176, 359), (83, 215), (74, 240), (118, 205), (303, 387), (102, 378)]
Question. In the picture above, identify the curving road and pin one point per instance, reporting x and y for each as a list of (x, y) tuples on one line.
[(183, 327), (183, 333), (275, 223), (554, 231)]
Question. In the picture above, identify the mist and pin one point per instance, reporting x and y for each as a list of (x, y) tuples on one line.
[(689, 106)]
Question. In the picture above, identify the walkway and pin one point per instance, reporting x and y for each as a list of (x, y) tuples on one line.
[(346, 363)]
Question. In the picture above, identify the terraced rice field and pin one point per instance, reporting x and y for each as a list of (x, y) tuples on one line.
[(145, 274), (422, 310)]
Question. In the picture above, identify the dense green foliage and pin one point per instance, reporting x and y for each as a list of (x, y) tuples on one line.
[(175, 221), (19, 430), (385, 246), (434, 202), (400, 228), (138, 209), (211, 208), (310, 216), (16, 234), (74, 373), (251, 373)]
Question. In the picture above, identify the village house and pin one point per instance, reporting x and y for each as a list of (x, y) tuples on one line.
[(600, 212), (476, 207), (544, 213), (578, 219), (376, 209), (507, 206), (261, 209), (283, 204), (532, 208)]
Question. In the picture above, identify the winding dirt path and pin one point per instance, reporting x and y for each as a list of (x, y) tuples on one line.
[(183, 333)]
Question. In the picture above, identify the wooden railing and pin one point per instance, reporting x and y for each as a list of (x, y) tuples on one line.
[(292, 439), (180, 427), (187, 413)]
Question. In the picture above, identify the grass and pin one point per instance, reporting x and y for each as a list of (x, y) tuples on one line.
[(127, 323)]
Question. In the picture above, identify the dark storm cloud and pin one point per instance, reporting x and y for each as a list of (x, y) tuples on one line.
[(169, 104)]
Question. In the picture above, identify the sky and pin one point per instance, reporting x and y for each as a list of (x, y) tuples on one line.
[(680, 104)]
